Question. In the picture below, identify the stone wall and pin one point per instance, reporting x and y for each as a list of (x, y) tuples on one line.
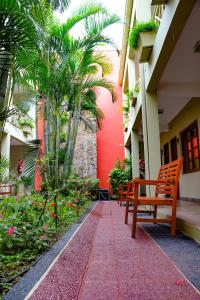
[(85, 162)]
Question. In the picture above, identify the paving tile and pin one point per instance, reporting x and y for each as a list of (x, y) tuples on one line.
[(103, 262)]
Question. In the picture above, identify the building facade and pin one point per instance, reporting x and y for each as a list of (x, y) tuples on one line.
[(17, 130), (164, 121)]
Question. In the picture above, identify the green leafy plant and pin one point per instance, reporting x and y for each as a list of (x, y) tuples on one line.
[(26, 122), (119, 176), (27, 181), (151, 25), (4, 165), (126, 101), (27, 228), (136, 88)]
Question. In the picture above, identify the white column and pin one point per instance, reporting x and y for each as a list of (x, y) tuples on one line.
[(135, 154), (131, 74), (151, 135), (127, 152), (143, 10), (5, 149)]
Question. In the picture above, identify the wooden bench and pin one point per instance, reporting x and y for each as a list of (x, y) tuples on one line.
[(6, 189), (124, 191), (166, 185)]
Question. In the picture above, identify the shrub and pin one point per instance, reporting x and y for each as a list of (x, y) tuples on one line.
[(140, 27), (119, 176), (26, 122), (87, 185), (27, 181)]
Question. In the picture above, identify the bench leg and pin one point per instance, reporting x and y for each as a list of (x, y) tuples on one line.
[(155, 212), (126, 211), (134, 220), (173, 228)]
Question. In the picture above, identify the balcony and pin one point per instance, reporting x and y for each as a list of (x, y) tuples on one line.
[(20, 126), (157, 12)]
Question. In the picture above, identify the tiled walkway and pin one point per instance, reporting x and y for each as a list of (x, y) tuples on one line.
[(103, 262)]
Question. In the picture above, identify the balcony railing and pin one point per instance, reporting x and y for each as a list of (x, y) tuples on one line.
[(14, 120), (157, 12)]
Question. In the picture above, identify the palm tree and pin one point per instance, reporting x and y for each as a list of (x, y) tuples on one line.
[(33, 48), (66, 73)]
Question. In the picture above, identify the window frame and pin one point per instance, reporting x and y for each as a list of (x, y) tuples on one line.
[(184, 140)]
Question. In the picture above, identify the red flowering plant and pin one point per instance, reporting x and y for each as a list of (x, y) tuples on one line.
[(31, 224)]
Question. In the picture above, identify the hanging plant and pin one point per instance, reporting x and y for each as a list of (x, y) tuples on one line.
[(137, 29), (25, 122)]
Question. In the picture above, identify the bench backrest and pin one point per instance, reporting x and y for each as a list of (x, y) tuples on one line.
[(5, 189), (170, 172)]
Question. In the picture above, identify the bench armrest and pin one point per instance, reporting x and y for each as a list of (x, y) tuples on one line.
[(152, 182)]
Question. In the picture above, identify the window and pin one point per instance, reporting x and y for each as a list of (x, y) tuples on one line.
[(166, 153), (190, 148), (174, 153)]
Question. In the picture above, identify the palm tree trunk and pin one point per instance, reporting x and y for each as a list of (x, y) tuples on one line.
[(69, 128), (72, 142), (57, 147)]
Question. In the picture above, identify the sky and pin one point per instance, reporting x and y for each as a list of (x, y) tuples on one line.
[(114, 6)]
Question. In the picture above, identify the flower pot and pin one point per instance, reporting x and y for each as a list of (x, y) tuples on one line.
[(145, 45), (134, 100), (26, 130)]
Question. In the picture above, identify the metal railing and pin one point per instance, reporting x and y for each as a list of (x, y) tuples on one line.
[(14, 119), (157, 12)]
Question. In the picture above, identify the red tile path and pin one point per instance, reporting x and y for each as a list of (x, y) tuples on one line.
[(102, 262)]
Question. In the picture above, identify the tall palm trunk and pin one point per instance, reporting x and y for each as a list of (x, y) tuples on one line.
[(72, 142), (69, 129), (57, 147)]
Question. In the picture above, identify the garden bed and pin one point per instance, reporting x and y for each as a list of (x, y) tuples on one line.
[(29, 227)]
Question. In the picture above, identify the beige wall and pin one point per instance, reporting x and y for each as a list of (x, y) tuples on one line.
[(16, 153), (189, 183)]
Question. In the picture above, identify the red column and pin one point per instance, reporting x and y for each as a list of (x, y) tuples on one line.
[(38, 178), (110, 140)]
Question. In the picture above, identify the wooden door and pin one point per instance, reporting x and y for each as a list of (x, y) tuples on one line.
[(174, 152), (166, 153)]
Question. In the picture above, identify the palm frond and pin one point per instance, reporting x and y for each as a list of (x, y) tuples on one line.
[(6, 113), (95, 24), (104, 62), (60, 5), (84, 10), (32, 155), (4, 165)]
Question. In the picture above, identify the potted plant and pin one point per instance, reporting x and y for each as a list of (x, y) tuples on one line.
[(141, 39), (135, 94), (23, 184), (26, 124)]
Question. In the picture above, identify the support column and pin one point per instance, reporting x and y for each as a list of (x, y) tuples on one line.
[(5, 150), (151, 133), (127, 152), (131, 74), (135, 154)]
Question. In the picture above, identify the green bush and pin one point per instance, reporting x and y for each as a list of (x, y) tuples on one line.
[(140, 27), (26, 122), (27, 181), (119, 176), (83, 186)]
